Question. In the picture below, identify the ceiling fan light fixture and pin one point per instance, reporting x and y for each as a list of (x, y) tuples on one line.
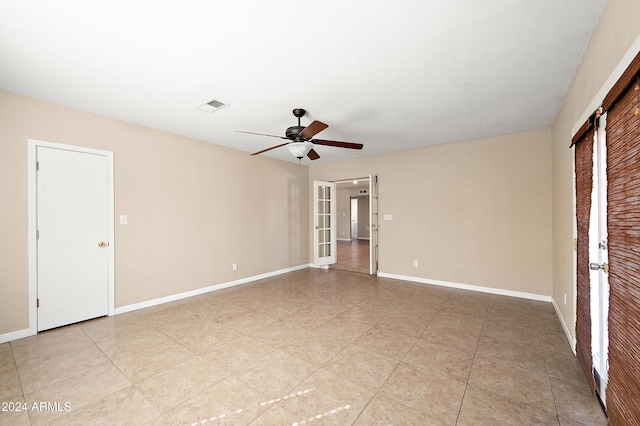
[(299, 149)]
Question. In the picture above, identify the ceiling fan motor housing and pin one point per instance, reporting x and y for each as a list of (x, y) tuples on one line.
[(293, 132)]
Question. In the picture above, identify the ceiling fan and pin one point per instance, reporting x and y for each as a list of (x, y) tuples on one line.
[(301, 139)]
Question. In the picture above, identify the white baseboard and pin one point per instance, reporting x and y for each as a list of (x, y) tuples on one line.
[(363, 238), (15, 335), (196, 292), (572, 341), (20, 334), (492, 290), (343, 239)]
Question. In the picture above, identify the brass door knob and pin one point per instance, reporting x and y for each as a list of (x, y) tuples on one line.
[(102, 244)]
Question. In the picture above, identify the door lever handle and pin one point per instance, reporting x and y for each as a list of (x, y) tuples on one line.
[(598, 266)]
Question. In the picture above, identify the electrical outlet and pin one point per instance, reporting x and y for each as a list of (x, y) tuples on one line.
[(565, 298), (415, 263), (234, 266), (124, 219)]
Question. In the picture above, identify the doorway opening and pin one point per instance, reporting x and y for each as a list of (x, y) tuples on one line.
[(356, 225)]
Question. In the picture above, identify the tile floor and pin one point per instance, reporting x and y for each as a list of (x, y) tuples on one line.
[(352, 256), (309, 347)]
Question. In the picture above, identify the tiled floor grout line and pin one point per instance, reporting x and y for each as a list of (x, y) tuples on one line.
[(394, 369), (475, 353)]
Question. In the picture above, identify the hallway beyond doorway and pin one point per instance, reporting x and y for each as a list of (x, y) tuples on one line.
[(353, 256)]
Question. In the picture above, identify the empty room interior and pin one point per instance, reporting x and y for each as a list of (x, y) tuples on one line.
[(276, 213)]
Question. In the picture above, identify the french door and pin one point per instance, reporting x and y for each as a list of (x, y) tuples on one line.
[(324, 221), (373, 224)]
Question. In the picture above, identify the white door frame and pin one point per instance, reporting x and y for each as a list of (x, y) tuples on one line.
[(32, 212), (373, 220)]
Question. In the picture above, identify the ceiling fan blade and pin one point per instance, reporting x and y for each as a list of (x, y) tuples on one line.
[(269, 149), (313, 129), (349, 145), (312, 154), (261, 134)]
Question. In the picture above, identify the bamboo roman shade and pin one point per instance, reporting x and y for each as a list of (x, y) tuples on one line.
[(623, 222), (584, 184)]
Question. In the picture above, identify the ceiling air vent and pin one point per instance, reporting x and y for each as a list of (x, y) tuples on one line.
[(211, 106)]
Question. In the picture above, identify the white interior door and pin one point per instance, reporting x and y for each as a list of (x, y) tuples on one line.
[(598, 262), (73, 230), (324, 218), (373, 224)]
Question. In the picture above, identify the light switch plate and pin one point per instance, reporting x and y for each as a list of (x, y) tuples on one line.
[(123, 219), (388, 216)]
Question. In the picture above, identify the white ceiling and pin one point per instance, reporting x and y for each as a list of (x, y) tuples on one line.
[(392, 75)]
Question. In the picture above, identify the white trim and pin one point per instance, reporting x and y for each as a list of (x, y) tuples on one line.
[(32, 193), (32, 224), (196, 292), (15, 335), (350, 180), (363, 238), (572, 341), (343, 239), (492, 290)]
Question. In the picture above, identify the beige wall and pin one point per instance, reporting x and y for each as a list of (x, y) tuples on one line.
[(476, 212), (194, 208), (617, 29)]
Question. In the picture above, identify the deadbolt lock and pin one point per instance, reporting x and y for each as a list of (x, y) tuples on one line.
[(102, 244)]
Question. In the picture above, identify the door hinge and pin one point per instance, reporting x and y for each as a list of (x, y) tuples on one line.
[(37, 234), (37, 166), (37, 303), (575, 244)]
